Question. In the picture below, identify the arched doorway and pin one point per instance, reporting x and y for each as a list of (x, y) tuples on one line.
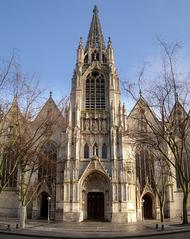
[(96, 197), (44, 205), (95, 205), (147, 207)]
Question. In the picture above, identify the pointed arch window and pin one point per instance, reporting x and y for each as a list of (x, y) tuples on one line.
[(95, 91), (95, 56), (9, 167), (86, 151), (95, 150), (47, 164), (144, 167), (104, 151), (142, 124), (184, 166)]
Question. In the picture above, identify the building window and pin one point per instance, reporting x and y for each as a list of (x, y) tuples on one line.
[(142, 123), (182, 166), (47, 164), (95, 56), (95, 91), (9, 168), (104, 151), (86, 151), (144, 167)]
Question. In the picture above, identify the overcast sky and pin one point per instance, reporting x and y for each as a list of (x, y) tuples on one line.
[(45, 34)]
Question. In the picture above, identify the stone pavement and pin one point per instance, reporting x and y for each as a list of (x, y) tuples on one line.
[(92, 229)]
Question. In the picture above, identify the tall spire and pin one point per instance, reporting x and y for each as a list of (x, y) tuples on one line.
[(95, 36)]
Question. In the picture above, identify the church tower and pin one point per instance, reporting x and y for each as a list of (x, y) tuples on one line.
[(97, 173)]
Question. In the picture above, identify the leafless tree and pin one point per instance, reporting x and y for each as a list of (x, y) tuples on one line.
[(24, 132)]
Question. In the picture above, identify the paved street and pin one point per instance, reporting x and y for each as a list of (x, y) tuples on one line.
[(183, 235), (92, 229)]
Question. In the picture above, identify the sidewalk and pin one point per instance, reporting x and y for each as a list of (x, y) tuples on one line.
[(89, 229)]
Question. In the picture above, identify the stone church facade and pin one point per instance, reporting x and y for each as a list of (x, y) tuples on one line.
[(100, 171)]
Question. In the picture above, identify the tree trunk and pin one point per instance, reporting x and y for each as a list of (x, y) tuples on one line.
[(22, 216), (161, 212), (185, 217)]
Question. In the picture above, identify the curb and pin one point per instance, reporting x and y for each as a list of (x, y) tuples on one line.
[(94, 236)]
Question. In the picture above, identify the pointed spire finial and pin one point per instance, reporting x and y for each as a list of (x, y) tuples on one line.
[(140, 92), (15, 99), (109, 42), (123, 108), (176, 97), (95, 10), (80, 43), (50, 94)]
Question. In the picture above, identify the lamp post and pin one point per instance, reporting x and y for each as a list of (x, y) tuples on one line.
[(142, 209), (49, 200)]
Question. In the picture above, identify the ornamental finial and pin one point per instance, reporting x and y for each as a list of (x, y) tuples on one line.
[(95, 10)]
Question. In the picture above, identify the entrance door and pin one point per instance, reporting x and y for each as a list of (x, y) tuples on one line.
[(44, 205), (147, 207), (95, 205)]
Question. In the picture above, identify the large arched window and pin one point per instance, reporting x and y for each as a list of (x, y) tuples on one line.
[(9, 168), (142, 123), (104, 151), (144, 166), (47, 164), (184, 166), (95, 91), (86, 151)]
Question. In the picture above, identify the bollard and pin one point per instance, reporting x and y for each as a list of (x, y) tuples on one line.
[(156, 225), (162, 226)]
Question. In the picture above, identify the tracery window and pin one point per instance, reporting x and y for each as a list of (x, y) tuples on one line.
[(86, 151), (95, 56), (142, 123), (95, 91), (183, 166), (47, 164), (9, 168), (144, 167), (104, 151)]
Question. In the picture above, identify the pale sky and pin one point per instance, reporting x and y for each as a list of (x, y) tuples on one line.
[(45, 34)]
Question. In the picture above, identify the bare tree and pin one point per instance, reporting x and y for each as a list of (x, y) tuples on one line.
[(160, 176), (24, 133), (6, 77)]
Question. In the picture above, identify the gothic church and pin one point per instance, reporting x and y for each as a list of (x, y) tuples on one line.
[(100, 171)]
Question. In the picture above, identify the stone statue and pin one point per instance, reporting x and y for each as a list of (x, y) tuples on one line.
[(95, 125), (87, 125), (103, 124)]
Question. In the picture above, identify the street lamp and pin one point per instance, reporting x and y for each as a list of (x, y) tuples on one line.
[(142, 209), (49, 200)]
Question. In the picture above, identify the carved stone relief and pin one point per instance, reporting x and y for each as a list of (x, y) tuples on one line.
[(95, 125)]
